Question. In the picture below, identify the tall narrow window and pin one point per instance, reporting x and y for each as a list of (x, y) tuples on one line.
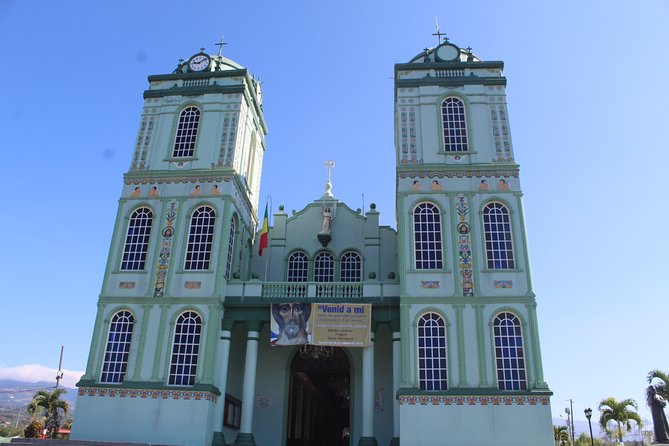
[(200, 236), (509, 353), (137, 240), (498, 240), (455, 125), (432, 357), (427, 237), (118, 347), (351, 267), (298, 266), (184, 142), (185, 350), (231, 248), (324, 267)]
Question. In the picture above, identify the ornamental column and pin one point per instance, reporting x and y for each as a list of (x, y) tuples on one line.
[(221, 381), (397, 351), (367, 438), (245, 435)]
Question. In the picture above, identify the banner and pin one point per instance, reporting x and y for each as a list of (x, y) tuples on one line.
[(341, 325)]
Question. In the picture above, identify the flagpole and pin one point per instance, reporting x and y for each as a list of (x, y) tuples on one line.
[(269, 199)]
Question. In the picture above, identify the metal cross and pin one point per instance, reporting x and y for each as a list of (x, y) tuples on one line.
[(329, 164), (220, 46), (439, 33)]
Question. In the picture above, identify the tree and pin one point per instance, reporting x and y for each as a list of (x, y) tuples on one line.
[(33, 430), (620, 413), (50, 404), (657, 394), (560, 435)]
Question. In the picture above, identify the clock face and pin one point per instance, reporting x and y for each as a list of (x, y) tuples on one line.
[(448, 52), (199, 62)]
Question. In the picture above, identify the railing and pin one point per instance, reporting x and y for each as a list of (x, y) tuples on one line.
[(196, 82), (327, 290), (458, 72)]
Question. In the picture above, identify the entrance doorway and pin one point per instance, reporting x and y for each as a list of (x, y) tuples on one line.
[(319, 398)]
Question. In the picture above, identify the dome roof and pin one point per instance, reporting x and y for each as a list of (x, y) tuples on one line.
[(216, 63), (445, 52)]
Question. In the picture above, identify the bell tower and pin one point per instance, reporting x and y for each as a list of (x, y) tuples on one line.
[(185, 224), (470, 343)]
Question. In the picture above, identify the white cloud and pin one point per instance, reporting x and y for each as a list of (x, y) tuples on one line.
[(36, 372)]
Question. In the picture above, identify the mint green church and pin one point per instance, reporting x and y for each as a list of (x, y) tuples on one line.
[(343, 332)]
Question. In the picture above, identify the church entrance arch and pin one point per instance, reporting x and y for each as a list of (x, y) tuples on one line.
[(319, 397)]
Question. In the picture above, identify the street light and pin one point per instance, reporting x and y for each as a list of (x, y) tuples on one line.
[(588, 415)]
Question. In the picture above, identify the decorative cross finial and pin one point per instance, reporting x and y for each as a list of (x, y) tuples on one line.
[(203, 49), (439, 33), (329, 164), (220, 46), (469, 49)]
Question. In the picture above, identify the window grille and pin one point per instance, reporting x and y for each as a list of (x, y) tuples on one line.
[(118, 347), (200, 237), (351, 267), (137, 240), (432, 359), (455, 125), (185, 349), (184, 141), (509, 352), (498, 240), (428, 248)]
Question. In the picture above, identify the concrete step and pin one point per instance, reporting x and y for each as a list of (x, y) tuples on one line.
[(58, 442)]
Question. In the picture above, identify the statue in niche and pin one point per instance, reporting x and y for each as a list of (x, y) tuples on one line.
[(328, 211)]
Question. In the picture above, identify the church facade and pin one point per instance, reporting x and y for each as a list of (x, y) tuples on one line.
[(329, 328)]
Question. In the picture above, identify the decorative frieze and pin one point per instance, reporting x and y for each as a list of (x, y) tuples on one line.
[(145, 393), (438, 400), (460, 174), (177, 180)]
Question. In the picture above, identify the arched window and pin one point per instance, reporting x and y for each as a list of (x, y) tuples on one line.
[(455, 125), (351, 267), (137, 240), (118, 346), (298, 267), (432, 368), (427, 237), (184, 142), (509, 352), (200, 236), (498, 240), (324, 267), (185, 350), (231, 248)]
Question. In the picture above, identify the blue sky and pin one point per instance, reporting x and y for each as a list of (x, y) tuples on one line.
[(587, 96)]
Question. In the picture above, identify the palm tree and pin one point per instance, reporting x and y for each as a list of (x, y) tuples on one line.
[(560, 435), (617, 411), (50, 404), (657, 394), (661, 384)]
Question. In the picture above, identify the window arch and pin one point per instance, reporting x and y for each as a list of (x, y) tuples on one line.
[(498, 240), (231, 248), (184, 141), (118, 347), (509, 352), (455, 125), (432, 354), (351, 267), (137, 240), (200, 237), (298, 267), (185, 349), (324, 267), (428, 248)]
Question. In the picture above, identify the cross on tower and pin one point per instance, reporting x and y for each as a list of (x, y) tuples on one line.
[(329, 164), (439, 33), (220, 46)]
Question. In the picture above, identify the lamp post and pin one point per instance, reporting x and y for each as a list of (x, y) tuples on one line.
[(588, 415)]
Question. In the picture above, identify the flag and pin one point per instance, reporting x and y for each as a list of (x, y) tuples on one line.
[(264, 232)]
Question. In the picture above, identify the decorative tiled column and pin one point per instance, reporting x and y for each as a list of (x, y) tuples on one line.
[(396, 384)]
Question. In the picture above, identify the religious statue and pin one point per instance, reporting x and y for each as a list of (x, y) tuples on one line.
[(327, 219), (657, 405)]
